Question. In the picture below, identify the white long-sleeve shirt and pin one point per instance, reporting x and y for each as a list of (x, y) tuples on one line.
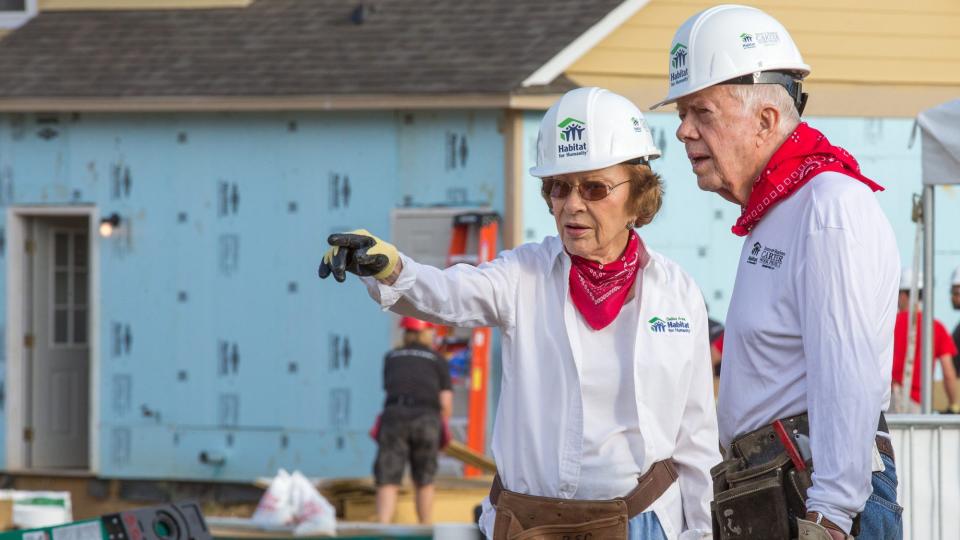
[(538, 436), (810, 328), (612, 439)]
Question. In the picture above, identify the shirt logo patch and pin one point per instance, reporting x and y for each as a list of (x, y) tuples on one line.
[(669, 325), (768, 257)]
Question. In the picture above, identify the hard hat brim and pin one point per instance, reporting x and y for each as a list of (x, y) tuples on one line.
[(542, 172)]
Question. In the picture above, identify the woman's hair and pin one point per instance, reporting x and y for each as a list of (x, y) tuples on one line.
[(646, 193)]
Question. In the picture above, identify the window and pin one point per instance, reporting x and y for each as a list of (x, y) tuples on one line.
[(70, 304), (14, 13)]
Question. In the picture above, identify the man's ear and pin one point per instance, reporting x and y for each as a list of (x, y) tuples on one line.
[(769, 125)]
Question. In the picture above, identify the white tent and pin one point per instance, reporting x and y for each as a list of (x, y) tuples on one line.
[(940, 128), (940, 139)]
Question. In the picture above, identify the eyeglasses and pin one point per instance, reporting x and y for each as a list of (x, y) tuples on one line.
[(591, 190)]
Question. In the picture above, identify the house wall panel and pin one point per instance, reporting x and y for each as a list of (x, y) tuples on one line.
[(213, 320)]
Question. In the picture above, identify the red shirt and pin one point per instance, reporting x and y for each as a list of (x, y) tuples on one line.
[(942, 346), (718, 343)]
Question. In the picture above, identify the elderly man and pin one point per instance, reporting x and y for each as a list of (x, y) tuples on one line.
[(808, 343)]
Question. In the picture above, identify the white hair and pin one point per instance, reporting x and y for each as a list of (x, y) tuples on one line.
[(755, 96)]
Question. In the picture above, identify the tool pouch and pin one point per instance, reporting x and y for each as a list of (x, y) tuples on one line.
[(525, 517), (720, 471), (715, 523), (751, 503), (754, 510), (719, 474), (797, 484)]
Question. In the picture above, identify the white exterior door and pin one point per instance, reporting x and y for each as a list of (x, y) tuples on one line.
[(60, 361)]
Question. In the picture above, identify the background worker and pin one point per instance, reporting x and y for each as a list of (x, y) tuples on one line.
[(715, 337), (955, 300), (944, 352), (809, 331), (418, 404), (605, 397), (716, 352)]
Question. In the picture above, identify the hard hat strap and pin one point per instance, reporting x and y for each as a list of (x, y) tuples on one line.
[(789, 81)]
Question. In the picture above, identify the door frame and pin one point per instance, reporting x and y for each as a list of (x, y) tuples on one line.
[(16, 388)]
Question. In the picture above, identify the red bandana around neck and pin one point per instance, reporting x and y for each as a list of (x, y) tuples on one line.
[(805, 154), (600, 290)]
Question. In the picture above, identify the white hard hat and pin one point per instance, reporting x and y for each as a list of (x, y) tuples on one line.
[(955, 278), (733, 42), (589, 129), (906, 279)]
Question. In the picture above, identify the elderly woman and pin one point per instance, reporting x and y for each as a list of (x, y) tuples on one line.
[(606, 421)]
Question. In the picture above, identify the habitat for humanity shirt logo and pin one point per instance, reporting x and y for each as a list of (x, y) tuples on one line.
[(768, 257), (669, 325), (571, 133)]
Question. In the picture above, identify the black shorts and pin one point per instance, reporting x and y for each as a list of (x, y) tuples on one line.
[(403, 438)]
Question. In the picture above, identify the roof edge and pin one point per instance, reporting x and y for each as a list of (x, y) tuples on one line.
[(554, 67), (268, 103)]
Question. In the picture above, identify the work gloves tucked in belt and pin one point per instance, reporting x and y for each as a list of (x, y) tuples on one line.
[(360, 253), (817, 527)]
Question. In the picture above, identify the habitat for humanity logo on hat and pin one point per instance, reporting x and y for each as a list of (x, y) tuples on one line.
[(747, 41), (639, 124), (571, 133), (678, 64)]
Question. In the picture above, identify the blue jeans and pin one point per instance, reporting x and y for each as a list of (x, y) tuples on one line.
[(645, 526), (882, 518)]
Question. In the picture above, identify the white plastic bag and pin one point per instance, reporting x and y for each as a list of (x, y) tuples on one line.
[(275, 507), (313, 514)]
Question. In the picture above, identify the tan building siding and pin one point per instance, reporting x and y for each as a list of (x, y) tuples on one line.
[(908, 51), (55, 5)]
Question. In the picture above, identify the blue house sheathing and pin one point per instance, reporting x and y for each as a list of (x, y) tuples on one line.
[(236, 348)]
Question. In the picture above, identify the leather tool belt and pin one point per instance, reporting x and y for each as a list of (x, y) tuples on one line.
[(759, 491), (528, 517)]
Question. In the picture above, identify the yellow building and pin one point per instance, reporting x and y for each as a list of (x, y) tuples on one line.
[(869, 58)]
